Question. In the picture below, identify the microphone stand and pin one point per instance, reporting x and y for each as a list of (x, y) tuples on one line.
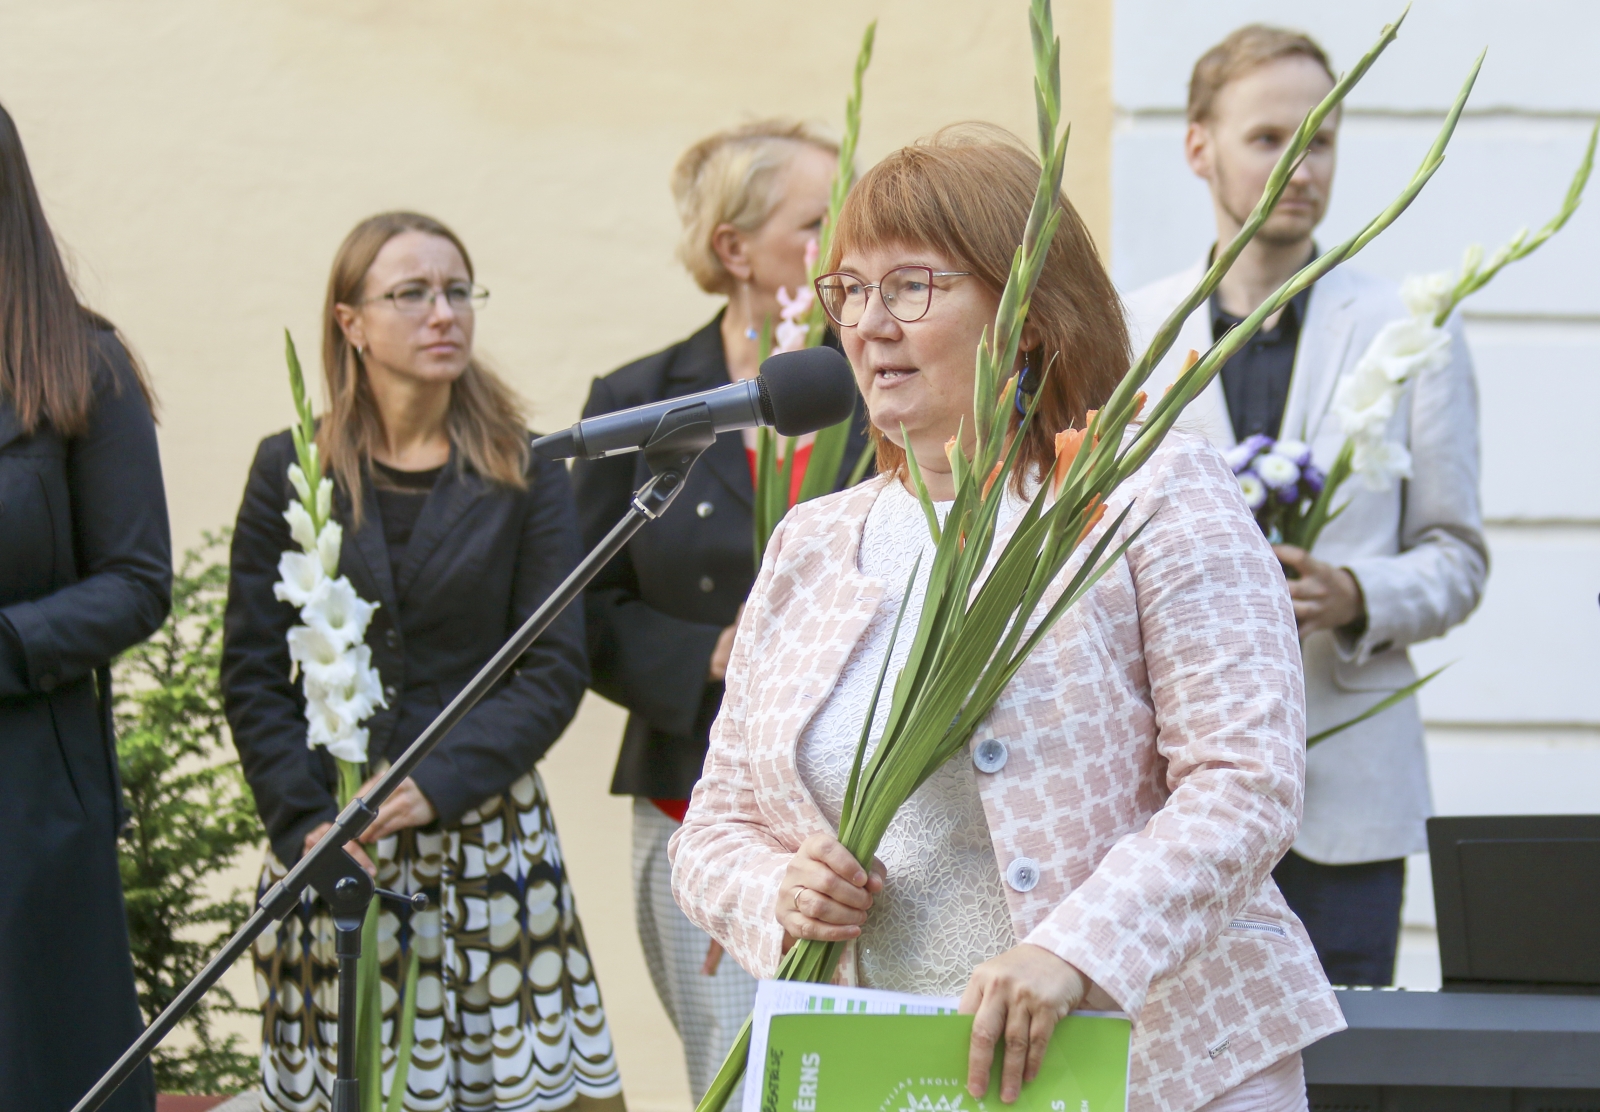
[(679, 439)]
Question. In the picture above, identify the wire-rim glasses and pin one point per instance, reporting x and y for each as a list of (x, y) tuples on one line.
[(906, 291), (418, 299)]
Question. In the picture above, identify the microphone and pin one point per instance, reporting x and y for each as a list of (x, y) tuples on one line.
[(796, 392)]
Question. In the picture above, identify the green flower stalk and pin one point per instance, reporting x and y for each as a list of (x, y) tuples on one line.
[(774, 480), (1475, 273), (981, 618)]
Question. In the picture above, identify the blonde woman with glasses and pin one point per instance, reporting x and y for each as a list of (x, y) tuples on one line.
[(661, 616), (458, 534)]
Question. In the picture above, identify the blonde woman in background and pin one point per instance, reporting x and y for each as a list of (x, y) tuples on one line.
[(661, 616)]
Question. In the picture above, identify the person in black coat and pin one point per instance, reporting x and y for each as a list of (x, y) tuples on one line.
[(460, 535), (85, 572), (661, 616)]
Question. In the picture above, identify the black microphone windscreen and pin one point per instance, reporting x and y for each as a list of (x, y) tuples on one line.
[(807, 390)]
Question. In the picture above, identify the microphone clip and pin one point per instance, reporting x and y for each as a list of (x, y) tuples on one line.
[(680, 437)]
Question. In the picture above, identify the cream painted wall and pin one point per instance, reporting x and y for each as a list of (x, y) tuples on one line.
[(201, 162)]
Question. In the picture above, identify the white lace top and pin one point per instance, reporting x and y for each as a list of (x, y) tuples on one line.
[(943, 909)]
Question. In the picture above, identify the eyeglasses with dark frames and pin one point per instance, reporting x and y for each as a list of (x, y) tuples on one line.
[(906, 291)]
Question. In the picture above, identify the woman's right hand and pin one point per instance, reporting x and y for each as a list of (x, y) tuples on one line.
[(353, 848), (722, 652), (826, 894)]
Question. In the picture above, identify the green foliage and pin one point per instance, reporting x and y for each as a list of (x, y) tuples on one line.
[(191, 817), (773, 479)]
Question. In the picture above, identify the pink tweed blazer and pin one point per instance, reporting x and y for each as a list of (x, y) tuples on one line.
[(1155, 756)]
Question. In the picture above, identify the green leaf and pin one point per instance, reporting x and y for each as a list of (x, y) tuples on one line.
[(1392, 699), (408, 1032)]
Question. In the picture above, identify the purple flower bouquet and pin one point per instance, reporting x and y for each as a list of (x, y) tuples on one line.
[(1282, 487)]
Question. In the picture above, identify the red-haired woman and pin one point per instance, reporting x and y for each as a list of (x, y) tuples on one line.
[(85, 572), (457, 534), (1110, 836)]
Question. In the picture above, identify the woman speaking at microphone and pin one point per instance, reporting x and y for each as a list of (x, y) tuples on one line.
[(458, 536), (661, 615), (1108, 838)]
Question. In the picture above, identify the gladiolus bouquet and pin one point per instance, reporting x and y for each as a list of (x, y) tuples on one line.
[(343, 689), (982, 616)]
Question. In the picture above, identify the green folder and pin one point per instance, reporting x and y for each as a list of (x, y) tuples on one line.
[(836, 1061)]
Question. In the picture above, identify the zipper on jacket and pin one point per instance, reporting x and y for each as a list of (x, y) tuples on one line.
[(1260, 925)]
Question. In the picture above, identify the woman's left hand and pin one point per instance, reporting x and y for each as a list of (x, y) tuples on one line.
[(1017, 999), (406, 806)]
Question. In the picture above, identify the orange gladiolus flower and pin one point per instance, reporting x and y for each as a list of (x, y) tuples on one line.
[(1068, 441), (993, 475), (1097, 511), (1188, 364)]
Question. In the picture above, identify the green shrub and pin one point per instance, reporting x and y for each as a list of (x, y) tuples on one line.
[(192, 815)]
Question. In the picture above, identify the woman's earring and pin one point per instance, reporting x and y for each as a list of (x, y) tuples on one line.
[(1025, 389)]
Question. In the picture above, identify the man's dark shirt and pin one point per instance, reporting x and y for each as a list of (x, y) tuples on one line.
[(1256, 380)]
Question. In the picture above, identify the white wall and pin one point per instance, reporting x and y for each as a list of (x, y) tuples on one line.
[(1514, 725)]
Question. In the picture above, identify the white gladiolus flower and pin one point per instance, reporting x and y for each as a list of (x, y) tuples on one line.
[(301, 527), (1426, 294), (328, 542), (301, 486), (1367, 397), (1276, 471), (342, 687), (298, 575), (312, 648), (1380, 462), (1254, 491), (1471, 259), (337, 612), (334, 731)]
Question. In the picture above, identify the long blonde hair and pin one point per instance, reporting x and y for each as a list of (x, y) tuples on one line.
[(484, 422)]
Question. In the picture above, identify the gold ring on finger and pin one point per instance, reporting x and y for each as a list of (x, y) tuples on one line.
[(798, 889)]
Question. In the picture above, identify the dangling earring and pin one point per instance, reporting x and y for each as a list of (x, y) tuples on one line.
[(1025, 389), (751, 332)]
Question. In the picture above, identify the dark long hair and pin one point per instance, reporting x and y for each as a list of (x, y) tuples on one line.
[(47, 339), (484, 420)]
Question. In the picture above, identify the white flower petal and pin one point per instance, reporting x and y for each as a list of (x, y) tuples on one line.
[(325, 499), (301, 527), (298, 576), (298, 478), (1254, 491), (338, 612), (1380, 462), (1276, 471), (328, 542), (1426, 294), (309, 646), (1296, 451)]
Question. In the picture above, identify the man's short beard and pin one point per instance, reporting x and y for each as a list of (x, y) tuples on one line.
[(1266, 235)]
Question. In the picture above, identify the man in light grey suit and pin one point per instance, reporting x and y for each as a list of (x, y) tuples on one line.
[(1397, 566)]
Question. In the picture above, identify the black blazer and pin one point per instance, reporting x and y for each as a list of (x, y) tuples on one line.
[(85, 572), (655, 612), (481, 559)]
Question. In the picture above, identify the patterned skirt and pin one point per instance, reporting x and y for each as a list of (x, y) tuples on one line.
[(508, 1010)]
